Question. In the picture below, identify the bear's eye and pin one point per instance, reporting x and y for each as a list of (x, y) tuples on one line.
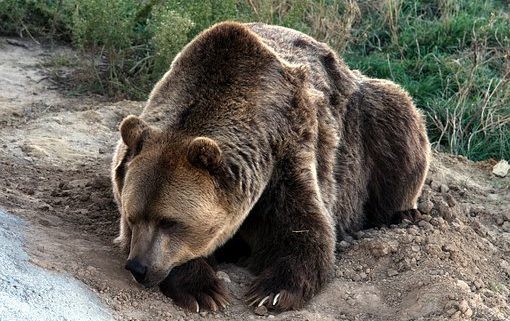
[(167, 223)]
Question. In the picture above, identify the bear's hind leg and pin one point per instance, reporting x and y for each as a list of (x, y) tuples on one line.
[(393, 196)]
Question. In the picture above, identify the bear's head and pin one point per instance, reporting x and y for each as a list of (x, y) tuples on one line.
[(172, 200)]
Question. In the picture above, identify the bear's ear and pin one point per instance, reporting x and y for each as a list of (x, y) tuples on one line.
[(133, 130), (204, 153)]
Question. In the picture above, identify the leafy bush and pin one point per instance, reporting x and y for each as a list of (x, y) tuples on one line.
[(451, 55)]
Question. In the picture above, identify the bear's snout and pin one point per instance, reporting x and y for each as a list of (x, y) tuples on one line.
[(138, 270)]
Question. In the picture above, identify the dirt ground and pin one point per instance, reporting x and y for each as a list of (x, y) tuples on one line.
[(55, 153)]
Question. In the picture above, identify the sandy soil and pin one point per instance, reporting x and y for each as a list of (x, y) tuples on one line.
[(54, 163)]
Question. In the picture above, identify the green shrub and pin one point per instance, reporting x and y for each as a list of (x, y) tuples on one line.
[(451, 55), (170, 34)]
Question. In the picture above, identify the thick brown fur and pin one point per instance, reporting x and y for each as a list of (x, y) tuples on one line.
[(262, 135)]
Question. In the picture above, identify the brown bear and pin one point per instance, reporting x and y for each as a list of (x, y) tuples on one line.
[(260, 142)]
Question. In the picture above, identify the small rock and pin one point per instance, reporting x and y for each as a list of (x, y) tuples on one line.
[(444, 188), (463, 285), (463, 306), (379, 249), (45, 207), (456, 315), (434, 221), (426, 217), (425, 225), (436, 186), (223, 276), (34, 151), (344, 244), (261, 310), (448, 248), (501, 168), (505, 266), (478, 283), (348, 238), (425, 207), (392, 272), (444, 210), (500, 220), (492, 197), (451, 311), (450, 200)]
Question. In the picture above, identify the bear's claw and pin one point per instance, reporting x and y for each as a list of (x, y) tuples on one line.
[(275, 300), (263, 300), (208, 299), (272, 301)]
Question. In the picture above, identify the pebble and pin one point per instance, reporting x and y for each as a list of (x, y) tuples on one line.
[(348, 238), (425, 207), (463, 285), (434, 221), (344, 244), (478, 283), (448, 248), (261, 310), (380, 249), (451, 311), (392, 272), (450, 200), (223, 276), (464, 308), (493, 197), (444, 210), (501, 168), (425, 225), (444, 188), (436, 186)]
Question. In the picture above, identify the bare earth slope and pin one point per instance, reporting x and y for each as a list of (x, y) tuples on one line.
[(54, 164)]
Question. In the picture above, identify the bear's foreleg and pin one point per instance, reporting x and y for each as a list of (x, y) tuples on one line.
[(295, 253)]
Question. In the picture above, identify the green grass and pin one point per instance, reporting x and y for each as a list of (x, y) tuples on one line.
[(451, 55)]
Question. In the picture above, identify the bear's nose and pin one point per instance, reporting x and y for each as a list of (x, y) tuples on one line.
[(137, 269)]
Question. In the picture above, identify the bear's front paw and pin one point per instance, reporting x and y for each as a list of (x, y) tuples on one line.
[(283, 287), (195, 287)]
